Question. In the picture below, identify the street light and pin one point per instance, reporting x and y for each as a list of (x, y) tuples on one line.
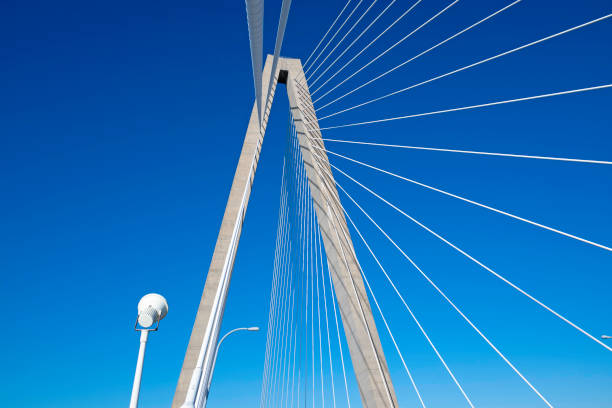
[(151, 309), (217, 352), (200, 400), (604, 337)]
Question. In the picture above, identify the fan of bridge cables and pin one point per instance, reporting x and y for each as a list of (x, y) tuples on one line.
[(482, 266)]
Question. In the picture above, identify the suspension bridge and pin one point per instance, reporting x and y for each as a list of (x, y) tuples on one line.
[(327, 326)]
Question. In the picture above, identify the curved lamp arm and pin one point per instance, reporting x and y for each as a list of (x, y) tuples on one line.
[(214, 362)]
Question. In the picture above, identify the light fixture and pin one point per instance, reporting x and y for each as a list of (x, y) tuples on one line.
[(151, 309)]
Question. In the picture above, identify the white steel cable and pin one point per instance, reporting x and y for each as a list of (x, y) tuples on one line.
[(463, 108), (295, 331), (305, 264), (588, 23), (290, 273), (272, 312), (332, 296), (414, 386), (316, 263), (408, 10), (297, 328), (286, 342), (376, 302), (286, 267), (485, 338), (302, 217), (563, 318), (333, 299), (379, 366), (435, 149), (284, 325), (362, 312), (439, 13), (293, 339), (305, 71), (305, 271), (481, 264), (255, 11), (312, 283), (352, 43), (269, 336), (457, 34), (285, 391), (276, 333), (331, 366), (295, 271), (280, 34), (280, 323), (434, 348), (327, 32), (476, 203), (304, 281), (302, 254), (339, 342), (301, 260), (340, 41)]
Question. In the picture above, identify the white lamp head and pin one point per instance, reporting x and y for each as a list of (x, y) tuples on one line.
[(151, 309)]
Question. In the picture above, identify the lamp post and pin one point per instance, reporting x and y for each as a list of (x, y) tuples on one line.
[(197, 395), (151, 309), (604, 337), (214, 362)]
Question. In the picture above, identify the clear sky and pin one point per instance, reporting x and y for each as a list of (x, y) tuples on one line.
[(121, 125)]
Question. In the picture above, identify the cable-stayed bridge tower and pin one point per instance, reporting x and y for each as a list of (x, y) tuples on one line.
[(369, 363), (319, 217)]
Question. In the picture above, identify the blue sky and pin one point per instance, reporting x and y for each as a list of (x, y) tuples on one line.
[(121, 124)]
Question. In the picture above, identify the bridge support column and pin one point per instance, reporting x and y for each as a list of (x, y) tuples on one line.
[(205, 332), (366, 351), (367, 356)]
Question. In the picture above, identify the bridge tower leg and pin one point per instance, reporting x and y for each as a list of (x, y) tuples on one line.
[(367, 356), (366, 351), (205, 332)]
